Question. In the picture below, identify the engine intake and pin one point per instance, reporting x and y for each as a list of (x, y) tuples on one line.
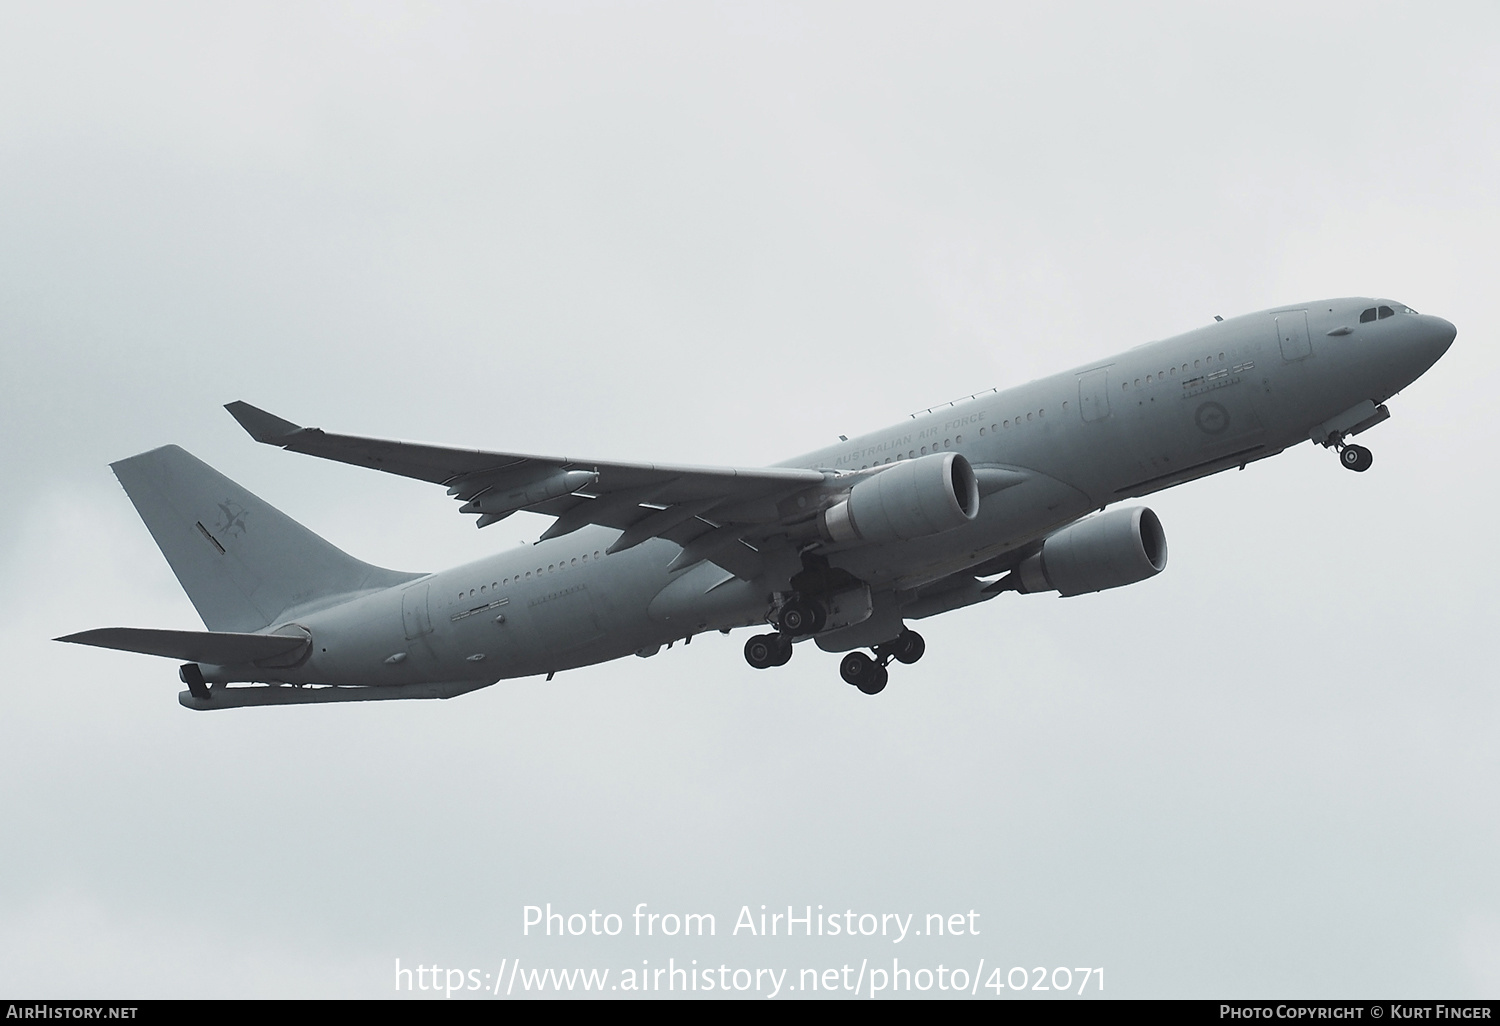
[(910, 499), (1106, 551)]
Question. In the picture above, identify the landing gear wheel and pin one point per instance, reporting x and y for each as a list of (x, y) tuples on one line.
[(875, 683), (864, 673), (1356, 458), (764, 651), (855, 667), (908, 647), (800, 617)]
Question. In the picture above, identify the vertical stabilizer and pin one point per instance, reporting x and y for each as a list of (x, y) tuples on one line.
[(241, 561)]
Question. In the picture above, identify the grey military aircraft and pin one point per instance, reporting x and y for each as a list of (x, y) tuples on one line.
[(1001, 491)]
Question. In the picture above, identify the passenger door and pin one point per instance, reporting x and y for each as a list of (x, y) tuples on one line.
[(1093, 394), (415, 615), (1291, 331)]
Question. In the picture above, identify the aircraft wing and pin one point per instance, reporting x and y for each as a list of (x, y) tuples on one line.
[(708, 510)]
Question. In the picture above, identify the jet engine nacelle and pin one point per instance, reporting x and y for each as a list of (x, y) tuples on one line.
[(910, 499), (1106, 551)]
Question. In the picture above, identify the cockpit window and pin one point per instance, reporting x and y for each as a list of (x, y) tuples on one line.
[(1382, 312)]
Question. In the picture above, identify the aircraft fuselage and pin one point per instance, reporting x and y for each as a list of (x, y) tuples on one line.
[(991, 493), (1157, 415)]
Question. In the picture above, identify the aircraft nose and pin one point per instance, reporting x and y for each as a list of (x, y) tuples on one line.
[(1440, 335)]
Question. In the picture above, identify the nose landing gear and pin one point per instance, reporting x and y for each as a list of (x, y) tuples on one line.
[(1356, 458)]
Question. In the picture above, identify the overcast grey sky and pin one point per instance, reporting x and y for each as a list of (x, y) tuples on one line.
[(718, 233)]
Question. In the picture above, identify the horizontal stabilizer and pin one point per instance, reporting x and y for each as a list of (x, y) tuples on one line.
[(220, 649)]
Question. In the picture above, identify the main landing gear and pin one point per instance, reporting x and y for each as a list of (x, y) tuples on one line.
[(868, 674), (864, 673), (871, 675), (799, 618), (766, 650)]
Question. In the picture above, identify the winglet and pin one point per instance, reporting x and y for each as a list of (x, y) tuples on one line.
[(263, 426)]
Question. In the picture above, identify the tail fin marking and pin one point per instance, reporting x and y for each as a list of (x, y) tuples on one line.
[(242, 562)]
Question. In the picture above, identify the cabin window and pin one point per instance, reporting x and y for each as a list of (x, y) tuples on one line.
[(1385, 312)]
